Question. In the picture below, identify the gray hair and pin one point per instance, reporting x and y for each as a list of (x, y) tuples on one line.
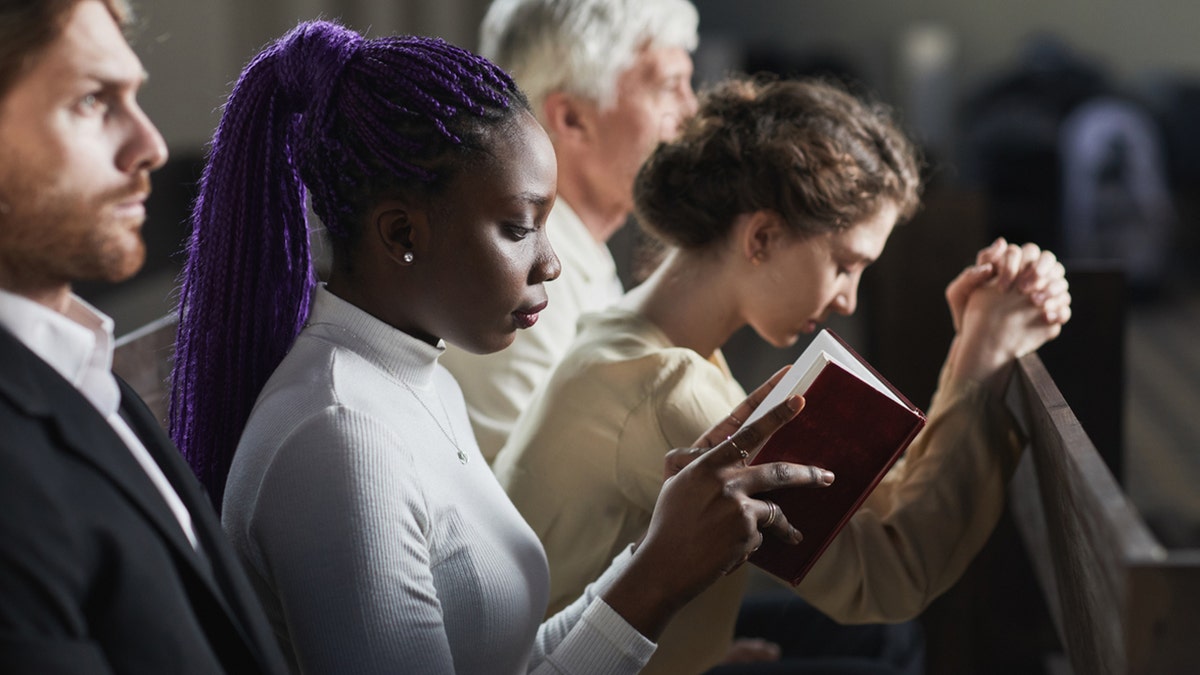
[(580, 46)]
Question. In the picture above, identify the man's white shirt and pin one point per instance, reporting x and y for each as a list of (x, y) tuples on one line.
[(79, 346)]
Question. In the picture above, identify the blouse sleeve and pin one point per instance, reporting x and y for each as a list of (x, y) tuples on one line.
[(916, 534), (685, 398)]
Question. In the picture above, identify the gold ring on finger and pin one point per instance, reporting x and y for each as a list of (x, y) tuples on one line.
[(773, 515)]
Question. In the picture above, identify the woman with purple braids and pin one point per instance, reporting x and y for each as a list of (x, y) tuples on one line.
[(372, 528)]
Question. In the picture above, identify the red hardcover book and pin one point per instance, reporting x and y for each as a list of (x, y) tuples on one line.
[(855, 424)]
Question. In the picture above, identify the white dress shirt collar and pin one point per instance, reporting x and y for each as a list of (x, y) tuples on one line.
[(78, 344)]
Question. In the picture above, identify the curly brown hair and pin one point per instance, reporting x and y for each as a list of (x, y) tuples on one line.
[(806, 149)]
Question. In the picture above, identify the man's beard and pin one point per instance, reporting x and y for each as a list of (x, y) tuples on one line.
[(53, 236)]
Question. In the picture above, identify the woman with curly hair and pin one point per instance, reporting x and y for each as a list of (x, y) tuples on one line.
[(774, 199)]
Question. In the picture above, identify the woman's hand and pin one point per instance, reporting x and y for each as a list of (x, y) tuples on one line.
[(706, 522), (1036, 273), (966, 283), (728, 426), (1021, 306)]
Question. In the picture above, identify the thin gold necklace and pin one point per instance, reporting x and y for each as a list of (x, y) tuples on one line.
[(450, 436), (462, 456)]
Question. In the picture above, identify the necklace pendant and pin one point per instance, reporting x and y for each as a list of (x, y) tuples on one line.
[(462, 456)]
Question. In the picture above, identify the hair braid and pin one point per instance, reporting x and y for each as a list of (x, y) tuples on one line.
[(347, 119), (243, 283)]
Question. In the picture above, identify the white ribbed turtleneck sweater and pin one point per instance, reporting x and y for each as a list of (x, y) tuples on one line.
[(373, 548)]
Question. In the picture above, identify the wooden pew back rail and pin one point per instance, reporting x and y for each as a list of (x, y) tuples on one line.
[(1120, 601)]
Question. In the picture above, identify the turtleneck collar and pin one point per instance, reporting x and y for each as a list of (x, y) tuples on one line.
[(390, 349)]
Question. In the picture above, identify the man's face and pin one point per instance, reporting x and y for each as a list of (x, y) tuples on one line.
[(76, 152), (654, 97)]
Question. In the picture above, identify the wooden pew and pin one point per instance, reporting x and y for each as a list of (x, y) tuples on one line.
[(1120, 602)]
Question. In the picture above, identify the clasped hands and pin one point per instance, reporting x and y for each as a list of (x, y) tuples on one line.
[(1011, 302)]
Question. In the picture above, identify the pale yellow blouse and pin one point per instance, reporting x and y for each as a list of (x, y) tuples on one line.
[(585, 463)]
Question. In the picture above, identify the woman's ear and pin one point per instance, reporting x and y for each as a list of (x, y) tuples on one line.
[(401, 230), (759, 234)]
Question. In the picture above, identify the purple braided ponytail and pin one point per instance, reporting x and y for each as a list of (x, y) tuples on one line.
[(346, 118)]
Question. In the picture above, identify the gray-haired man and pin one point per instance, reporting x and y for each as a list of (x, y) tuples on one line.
[(608, 79)]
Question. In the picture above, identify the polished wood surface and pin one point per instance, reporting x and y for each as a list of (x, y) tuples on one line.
[(1121, 602)]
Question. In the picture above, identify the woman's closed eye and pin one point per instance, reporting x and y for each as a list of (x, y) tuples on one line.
[(518, 231)]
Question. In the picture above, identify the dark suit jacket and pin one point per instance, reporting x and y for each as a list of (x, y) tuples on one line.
[(96, 575)]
